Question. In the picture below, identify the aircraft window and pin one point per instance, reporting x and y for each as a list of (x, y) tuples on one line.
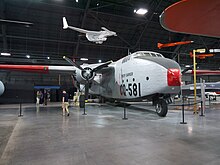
[(147, 54), (153, 55), (147, 78), (159, 55), (127, 80), (133, 79)]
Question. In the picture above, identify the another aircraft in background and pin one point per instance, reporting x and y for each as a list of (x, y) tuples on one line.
[(201, 56), (211, 89), (94, 36), (2, 88), (141, 75), (160, 45)]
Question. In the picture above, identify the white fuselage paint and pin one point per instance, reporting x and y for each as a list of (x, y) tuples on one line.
[(131, 78)]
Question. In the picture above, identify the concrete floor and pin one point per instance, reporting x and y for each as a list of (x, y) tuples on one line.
[(43, 136)]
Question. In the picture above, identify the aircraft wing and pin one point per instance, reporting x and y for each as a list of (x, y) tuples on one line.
[(83, 30), (39, 68), (52, 69)]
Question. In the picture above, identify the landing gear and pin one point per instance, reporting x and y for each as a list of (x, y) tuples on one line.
[(161, 107)]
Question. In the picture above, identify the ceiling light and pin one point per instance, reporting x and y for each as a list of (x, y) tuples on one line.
[(28, 56), (141, 11), (5, 54), (100, 61), (48, 58), (77, 0), (84, 59), (200, 50), (214, 50)]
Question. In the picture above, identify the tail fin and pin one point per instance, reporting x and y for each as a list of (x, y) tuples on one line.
[(65, 25)]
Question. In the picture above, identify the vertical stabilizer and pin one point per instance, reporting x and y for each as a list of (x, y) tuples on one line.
[(65, 25)]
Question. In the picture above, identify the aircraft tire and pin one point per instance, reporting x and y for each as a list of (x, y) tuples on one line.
[(161, 108)]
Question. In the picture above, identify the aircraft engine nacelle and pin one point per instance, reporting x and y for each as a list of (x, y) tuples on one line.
[(2, 88), (84, 76)]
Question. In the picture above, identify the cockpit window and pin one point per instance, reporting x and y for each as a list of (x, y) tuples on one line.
[(147, 54), (153, 55), (159, 55)]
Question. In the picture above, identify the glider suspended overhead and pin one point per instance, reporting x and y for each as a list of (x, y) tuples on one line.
[(94, 36), (141, 75)]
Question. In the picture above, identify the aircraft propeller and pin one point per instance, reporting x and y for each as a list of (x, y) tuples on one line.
[(87, 73)]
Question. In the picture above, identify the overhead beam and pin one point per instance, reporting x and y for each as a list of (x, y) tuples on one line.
[(103, 24), (27, 24), (4, 38), (94, 11), (82, 25), (63, 41), (146, 25)]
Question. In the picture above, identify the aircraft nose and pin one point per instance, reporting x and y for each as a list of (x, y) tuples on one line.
[(165, 62), (173, 69)]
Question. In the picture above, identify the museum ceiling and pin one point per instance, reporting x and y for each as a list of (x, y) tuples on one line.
[(45, 41)]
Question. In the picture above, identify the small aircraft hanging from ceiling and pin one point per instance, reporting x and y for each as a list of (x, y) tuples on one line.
[(160, 45), (94, 36), (141, 75), (202, 56)]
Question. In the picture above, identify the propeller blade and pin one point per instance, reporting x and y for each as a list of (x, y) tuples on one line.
[(72, 63), (102, 66)]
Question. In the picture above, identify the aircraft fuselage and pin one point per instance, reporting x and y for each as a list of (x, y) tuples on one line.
[(138, 76)]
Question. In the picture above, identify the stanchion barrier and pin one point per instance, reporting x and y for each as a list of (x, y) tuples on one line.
[(125, 116), (183, 115), (84, 111), (183, 110), (20, 111), (202, 113)]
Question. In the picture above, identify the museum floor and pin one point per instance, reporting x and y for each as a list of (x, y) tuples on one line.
[(43, 136)]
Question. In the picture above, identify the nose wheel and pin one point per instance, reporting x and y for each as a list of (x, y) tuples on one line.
[(161, 107)]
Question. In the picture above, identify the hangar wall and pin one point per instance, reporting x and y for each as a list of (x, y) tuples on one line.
[(19, 87)]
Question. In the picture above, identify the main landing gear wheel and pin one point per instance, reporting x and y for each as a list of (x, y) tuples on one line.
[(161, 108)]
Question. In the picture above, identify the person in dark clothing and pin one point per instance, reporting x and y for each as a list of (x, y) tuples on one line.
[(65, 103), (45, 97)]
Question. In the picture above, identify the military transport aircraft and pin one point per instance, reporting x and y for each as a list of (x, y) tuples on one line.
[(141, 75), (94, 36), (2, 88)]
